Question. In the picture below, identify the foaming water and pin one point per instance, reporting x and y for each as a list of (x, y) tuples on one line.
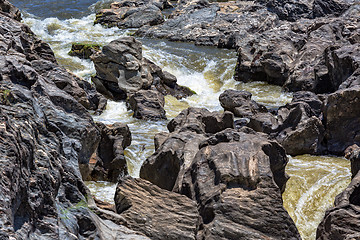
[(314, 182)]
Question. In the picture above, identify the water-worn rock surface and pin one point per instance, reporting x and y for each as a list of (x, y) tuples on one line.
[(45, 134), (227, 172)]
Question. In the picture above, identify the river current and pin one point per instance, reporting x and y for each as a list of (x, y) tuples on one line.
[(314, 180)]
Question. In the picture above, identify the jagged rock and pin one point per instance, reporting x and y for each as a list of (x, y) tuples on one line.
[(156, 212), (111, 162), (45, 133), (122, 71), (147, 104), (171, 159), (353, 154), (83, 50), (133, 14), (236, 179), (341, 118), (201, 121), (342, 220), (300, 55), (220, 24)]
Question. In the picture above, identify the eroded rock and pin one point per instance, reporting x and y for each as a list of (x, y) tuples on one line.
[(156, 212)]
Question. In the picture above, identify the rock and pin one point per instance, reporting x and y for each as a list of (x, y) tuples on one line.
[(341, 117), (240, 103), (45, 134), (111, 163), (353, 154), (220, 24), (171, 159), (300, 56), (83, 50), (157, 213), (238, 179), (122, 71), (147, 104), (132, 14), (342, 220), (200, 120), (311, 99), (6, 8), (323, 8)]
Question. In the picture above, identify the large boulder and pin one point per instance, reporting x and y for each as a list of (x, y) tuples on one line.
[(45, 134), (353, 154), (237, 177), (156, 212), (341, 118)]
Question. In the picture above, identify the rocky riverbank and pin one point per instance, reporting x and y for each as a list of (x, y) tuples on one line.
[(213, 175)]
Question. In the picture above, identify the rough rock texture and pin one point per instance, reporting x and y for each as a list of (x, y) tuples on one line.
[(147, 104), (83, 50), (110, 160), (310, 55), (157, 213), (343, 220), (44, 134), (133, 14), (9, 10), (233, 175), (341, 118), (201, 120), (122, 72), (171, 159), (297, 126), (237, 177), (353, 154), (214, 24)]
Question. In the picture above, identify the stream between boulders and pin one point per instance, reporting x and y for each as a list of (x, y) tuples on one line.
[(314, 180)]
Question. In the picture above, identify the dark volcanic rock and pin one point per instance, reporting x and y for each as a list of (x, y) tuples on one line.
[(111, 162), (342, 220), (83, 50), (157, 213), (45, 133), (147, 104), (133, 14), (341, 118)]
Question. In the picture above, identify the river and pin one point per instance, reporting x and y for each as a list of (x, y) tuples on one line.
[(315, 180)]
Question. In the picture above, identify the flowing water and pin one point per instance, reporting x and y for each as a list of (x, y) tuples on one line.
[(208, 71)]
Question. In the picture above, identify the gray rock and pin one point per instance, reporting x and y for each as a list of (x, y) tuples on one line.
[(156, 212), (147, 104)]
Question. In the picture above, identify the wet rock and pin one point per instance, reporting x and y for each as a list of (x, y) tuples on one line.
[(147, 104), (156, 212), (132, 14), (342, 220), (341, 117), (236, 179), (200, 120), (111, 163), (353, 154), (83, 50), (122, 71)]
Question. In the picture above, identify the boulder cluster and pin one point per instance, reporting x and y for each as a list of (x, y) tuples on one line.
[(213, 175)]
